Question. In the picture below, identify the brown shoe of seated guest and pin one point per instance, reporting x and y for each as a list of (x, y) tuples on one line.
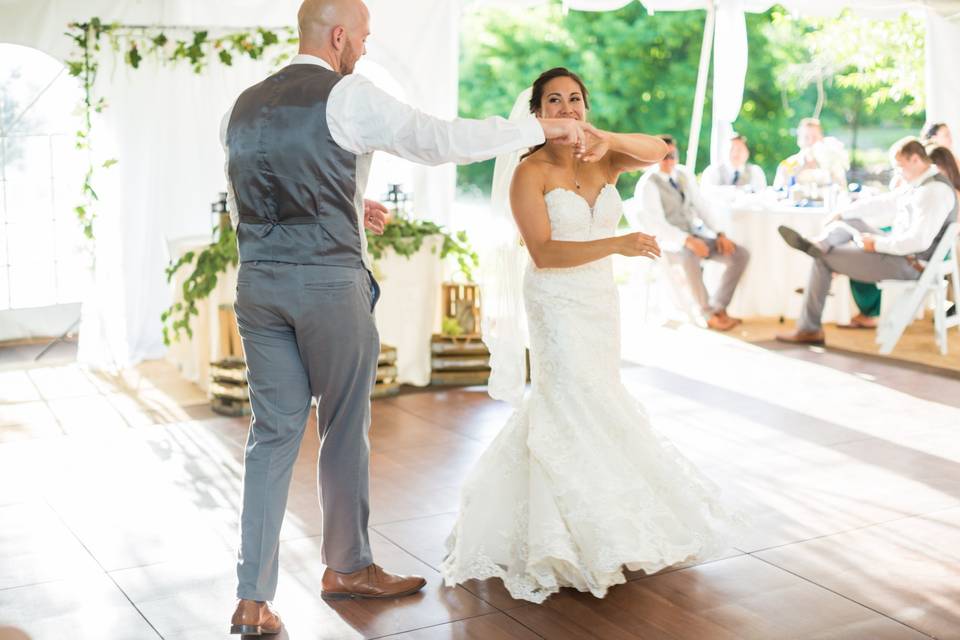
[(860, 321), (802, 337), (254, 618), (721, 322), (371, 582)]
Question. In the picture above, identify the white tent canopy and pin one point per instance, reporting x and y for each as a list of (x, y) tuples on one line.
[(161, 114)]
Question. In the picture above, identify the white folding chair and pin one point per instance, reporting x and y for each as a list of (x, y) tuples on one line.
[(912, 294), (664, 271)]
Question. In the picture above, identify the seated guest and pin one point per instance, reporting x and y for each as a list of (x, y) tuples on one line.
[(821, 161), (922, 212), (866, 294), (938, 134), (736, 171), (688, 233)]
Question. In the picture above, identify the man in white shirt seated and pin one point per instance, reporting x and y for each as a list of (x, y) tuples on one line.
[(737, 171), (851, 246), (689, 233), (821, 161)]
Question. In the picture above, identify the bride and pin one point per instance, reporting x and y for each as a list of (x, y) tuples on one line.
[(577, 486)]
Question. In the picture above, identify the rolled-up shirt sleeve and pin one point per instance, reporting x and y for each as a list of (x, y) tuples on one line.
[(363, 118)]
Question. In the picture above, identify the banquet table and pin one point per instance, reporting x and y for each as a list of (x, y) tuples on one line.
[(775, 272)]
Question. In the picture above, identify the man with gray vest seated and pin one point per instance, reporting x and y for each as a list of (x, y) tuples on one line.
[(688, 233), (298, 147), (737, 171), (851, 246)]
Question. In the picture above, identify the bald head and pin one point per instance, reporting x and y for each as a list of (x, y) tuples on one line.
[(335, 30), (317, 18)]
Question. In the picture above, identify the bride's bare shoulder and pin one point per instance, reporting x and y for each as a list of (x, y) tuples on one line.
[(532, 168)]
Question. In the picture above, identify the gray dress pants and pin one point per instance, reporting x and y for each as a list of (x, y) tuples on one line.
[(307, 331), (735, 264), (842, 256)]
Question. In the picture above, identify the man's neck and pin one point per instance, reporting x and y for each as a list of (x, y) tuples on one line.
[(321, 54)]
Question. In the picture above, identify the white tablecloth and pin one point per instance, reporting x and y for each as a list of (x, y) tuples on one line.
[(768, 287), (407, 315)]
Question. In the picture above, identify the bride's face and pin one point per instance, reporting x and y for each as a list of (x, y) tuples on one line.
[(563, 98)]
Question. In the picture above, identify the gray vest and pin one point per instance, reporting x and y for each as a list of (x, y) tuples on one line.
[(725, 174), (951, 218), (677, 209), (297, 192)]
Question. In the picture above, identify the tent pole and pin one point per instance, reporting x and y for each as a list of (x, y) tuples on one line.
[(696, 122)]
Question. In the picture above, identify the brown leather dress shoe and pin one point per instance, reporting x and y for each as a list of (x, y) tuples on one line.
[(860, 321), (371, 582), (255, 619), (802, 337)]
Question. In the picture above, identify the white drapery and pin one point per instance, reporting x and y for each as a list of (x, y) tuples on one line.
[(162, 124)]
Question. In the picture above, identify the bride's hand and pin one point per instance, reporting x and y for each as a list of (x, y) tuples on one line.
[(639, 244), (597, 143)]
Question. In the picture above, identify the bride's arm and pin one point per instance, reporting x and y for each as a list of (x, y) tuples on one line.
[(530, 212), (623, 151)]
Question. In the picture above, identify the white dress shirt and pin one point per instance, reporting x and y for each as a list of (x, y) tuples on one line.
[(918, 213), (363, 118), (669, 237), (722, 175)]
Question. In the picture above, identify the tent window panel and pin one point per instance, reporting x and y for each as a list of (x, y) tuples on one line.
[(43, 259)]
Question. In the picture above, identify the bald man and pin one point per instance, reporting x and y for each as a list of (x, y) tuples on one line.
[(298, 149)]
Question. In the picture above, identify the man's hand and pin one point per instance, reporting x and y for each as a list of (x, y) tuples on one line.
[(725, 246), (565, 131), (597, 143), (639, 244), (374, 216), (698, 246), (869, 243)]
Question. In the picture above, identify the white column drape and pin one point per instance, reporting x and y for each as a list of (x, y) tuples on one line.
[(943, 82), (729, 74)]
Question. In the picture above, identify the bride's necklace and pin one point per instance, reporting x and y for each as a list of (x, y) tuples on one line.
[(576, 165)]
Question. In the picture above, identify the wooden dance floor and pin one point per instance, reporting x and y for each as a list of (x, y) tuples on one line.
[(119, 497)]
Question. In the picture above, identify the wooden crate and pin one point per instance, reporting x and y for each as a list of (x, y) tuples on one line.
[(461, 361), (387, 384), (230, 344), (230, 407), (461, 302), (459, 378)]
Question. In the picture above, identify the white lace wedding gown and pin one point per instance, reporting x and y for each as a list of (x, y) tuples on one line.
[(577, 485)]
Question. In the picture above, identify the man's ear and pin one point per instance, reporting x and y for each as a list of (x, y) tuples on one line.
[(337, 35)]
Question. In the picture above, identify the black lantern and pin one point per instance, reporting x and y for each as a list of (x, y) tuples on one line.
[(219, 212), (397, 200)]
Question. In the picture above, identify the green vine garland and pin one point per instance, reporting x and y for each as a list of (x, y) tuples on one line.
[(406, 236), (208, 264), (196, 47)]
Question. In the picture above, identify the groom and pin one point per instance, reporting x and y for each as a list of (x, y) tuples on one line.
[(298, 148)]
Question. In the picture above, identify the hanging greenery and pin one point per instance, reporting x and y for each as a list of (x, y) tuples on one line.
[(406, 237), (207, 266), (174, 45)]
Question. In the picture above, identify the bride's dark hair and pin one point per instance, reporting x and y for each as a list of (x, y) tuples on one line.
[(537, 96)]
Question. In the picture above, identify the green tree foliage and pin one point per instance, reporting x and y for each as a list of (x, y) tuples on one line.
[(641, 71)]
